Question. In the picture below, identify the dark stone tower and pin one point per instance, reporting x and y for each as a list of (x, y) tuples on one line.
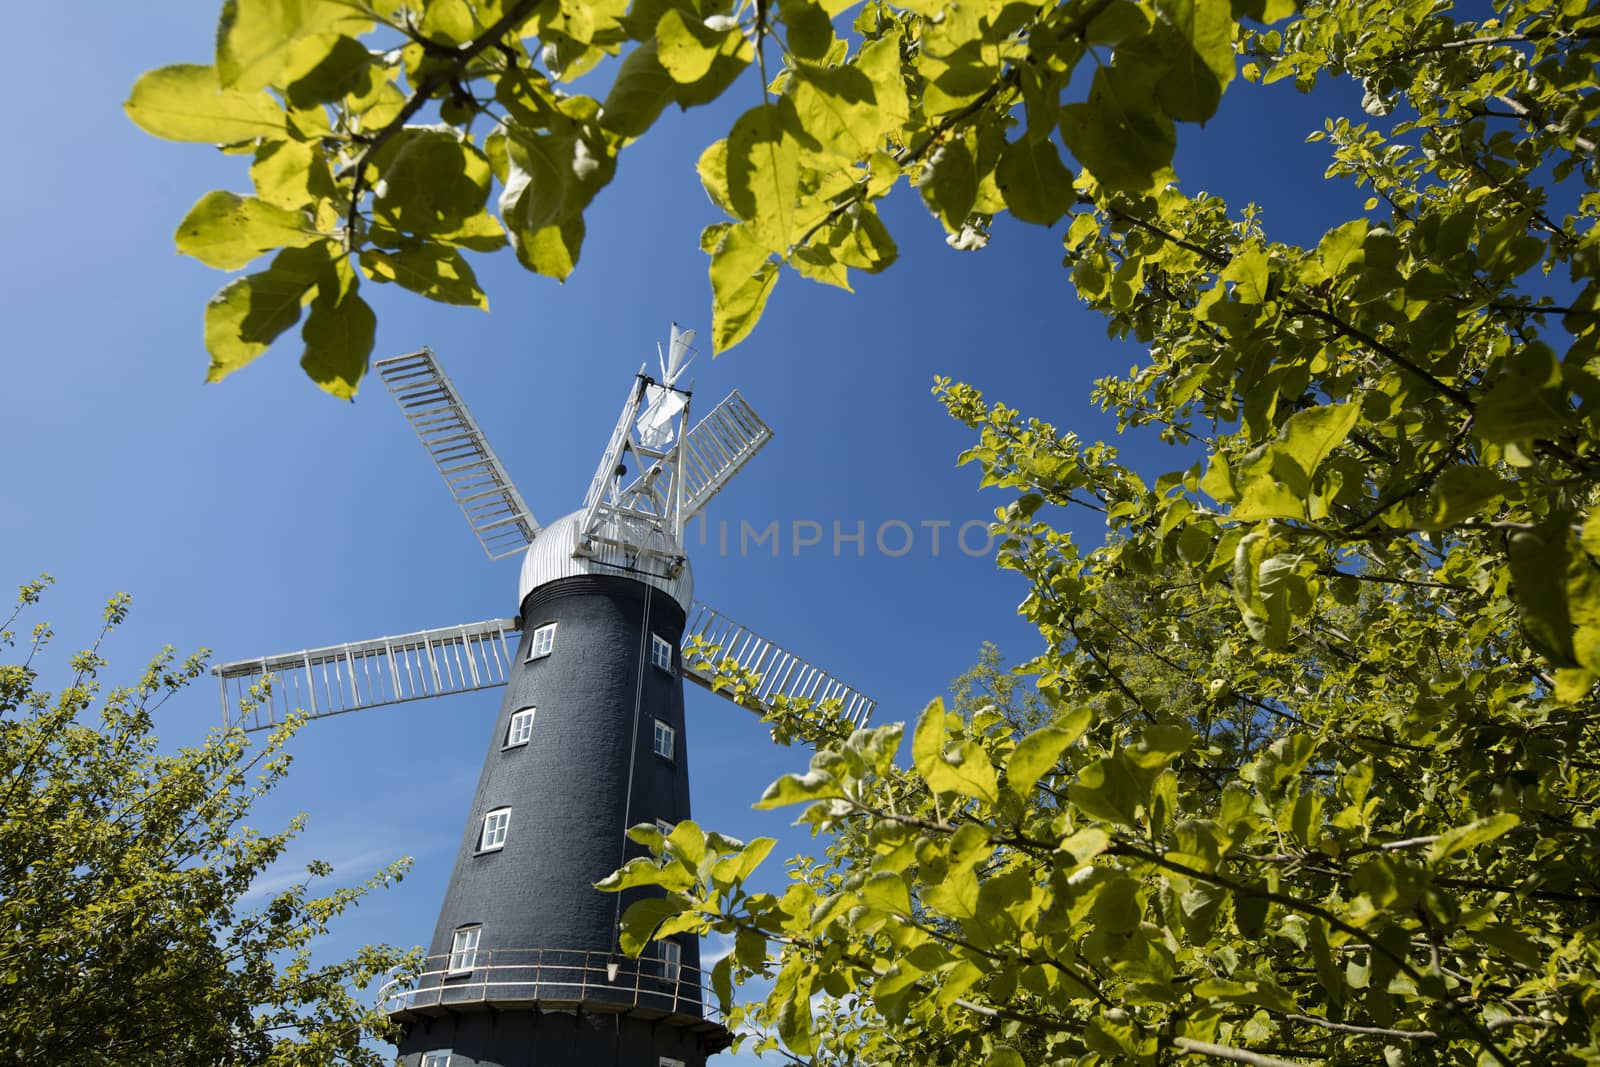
[(524, 968)]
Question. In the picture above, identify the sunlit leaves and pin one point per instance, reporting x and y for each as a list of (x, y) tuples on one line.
[(188, 103), (227, 231), (1036, 186), (763, 179), (642, 90), (433, 181), (338, 334), (742, 278), (437, 272), (250, 312), (1117, 135), (276, 42), (324, 91), (1196, 42)]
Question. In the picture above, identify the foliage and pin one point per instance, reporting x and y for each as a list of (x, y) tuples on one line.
[(328, 101), (127, 933), (1319, 780)]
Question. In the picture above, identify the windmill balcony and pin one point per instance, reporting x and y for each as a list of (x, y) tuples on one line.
[(544, 979)]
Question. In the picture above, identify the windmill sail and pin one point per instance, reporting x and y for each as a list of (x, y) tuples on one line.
[(782, 672), (459, 659), (368, 674), (473, 472), (720, 444)]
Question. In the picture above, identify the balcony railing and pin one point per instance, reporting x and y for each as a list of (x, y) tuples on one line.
[(549, 978)]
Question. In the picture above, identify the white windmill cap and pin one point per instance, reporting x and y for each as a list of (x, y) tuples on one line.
[(551, 558)]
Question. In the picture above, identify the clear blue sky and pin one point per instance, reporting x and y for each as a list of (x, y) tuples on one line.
[(261, 516)]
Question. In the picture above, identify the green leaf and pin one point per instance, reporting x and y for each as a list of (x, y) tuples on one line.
[(551, 251), (1463, 839), (250, 312), (432, 181), (643, 918), (227, 231), (341, 70), (291, 174), (187, 103), (1196, 38), (273, 42), (1527, 402), (960, 767), (1117, 135), (1039, 752), (1539, 559), (642, 90), (436, 271), (950, 184), (956, 894), (1036, 186), (1106, 789), (553, 177), (964, 768), (928, 739), (1463, 491), (1274, 481), (763, 174), (1250, 274), (837, 107), (809, 29), (887, 893), (815, 784), (751, 855), (685, 47), (338, 334), (742, 277)]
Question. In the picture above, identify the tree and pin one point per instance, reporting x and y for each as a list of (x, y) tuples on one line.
[(126, 932), (326, 99), (1363, 827)]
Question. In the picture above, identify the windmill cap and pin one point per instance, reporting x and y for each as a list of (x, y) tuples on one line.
[(552, 557)]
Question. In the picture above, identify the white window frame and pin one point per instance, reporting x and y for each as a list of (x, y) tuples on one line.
[(665, 1061), (543, 641), (441, 1058), (661, 653), (664, 740), (496, 828), (665, 827), (519, 731), (670, 956), (464, 949)]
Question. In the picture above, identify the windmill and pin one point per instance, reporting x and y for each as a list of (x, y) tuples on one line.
[(524, 966)]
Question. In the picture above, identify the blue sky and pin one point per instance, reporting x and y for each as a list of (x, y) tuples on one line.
[(259, 515)]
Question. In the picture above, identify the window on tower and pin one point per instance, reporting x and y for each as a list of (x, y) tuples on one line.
[(495, 825), (670, 953), (521, 728), (661, 653), (463, 950), (668, 1061), (544, 639), (663, 740), (442, 1059), (665, 827)]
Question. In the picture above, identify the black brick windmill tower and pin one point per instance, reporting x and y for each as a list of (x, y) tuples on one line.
[(524, 967)]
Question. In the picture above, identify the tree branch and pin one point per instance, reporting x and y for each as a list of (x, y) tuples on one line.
[(445, 76)]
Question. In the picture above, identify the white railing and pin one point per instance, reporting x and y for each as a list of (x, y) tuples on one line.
[(550, 978), (782, 672)]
